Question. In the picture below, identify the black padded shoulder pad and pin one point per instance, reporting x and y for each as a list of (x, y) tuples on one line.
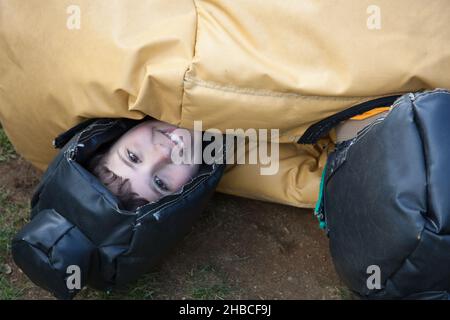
[(387, 204)]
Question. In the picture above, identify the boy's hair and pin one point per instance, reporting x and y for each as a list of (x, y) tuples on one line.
[(120, 187)]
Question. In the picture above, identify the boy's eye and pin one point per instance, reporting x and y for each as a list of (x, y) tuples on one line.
[(160, 184), (133, 158)]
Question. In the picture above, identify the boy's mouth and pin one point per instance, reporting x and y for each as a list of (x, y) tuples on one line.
[(174, 138)]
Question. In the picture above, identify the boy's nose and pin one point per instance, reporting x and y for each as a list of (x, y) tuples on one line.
[(162, 154)]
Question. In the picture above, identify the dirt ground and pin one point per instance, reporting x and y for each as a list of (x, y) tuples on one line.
[(239, 249)]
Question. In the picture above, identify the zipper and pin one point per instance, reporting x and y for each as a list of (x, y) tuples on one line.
[(64, 137)]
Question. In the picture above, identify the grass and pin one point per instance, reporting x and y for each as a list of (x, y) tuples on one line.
[(7, 151), (12, 215), (147, 287), (208, 283), (8, 291), (346, 294), (11, 218), (201, 282)]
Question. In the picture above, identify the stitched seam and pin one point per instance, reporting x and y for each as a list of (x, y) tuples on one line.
[(430, 93), (183, 194), (91, 134), (72, 152), (275, 94), (408, 258), (194, 51), (94, 130), (196, 30), (426, 157)]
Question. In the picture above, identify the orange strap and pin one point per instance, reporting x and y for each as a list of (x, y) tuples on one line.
[(370, 113)]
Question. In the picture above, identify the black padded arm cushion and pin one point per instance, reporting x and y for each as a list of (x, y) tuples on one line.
[(386, 201)]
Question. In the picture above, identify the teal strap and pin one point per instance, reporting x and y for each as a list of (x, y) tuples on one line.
[(319, 208)]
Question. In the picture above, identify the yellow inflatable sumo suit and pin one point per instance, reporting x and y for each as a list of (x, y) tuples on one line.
[(230, 63)]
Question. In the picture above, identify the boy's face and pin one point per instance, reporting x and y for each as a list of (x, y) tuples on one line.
[(143, 155)]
